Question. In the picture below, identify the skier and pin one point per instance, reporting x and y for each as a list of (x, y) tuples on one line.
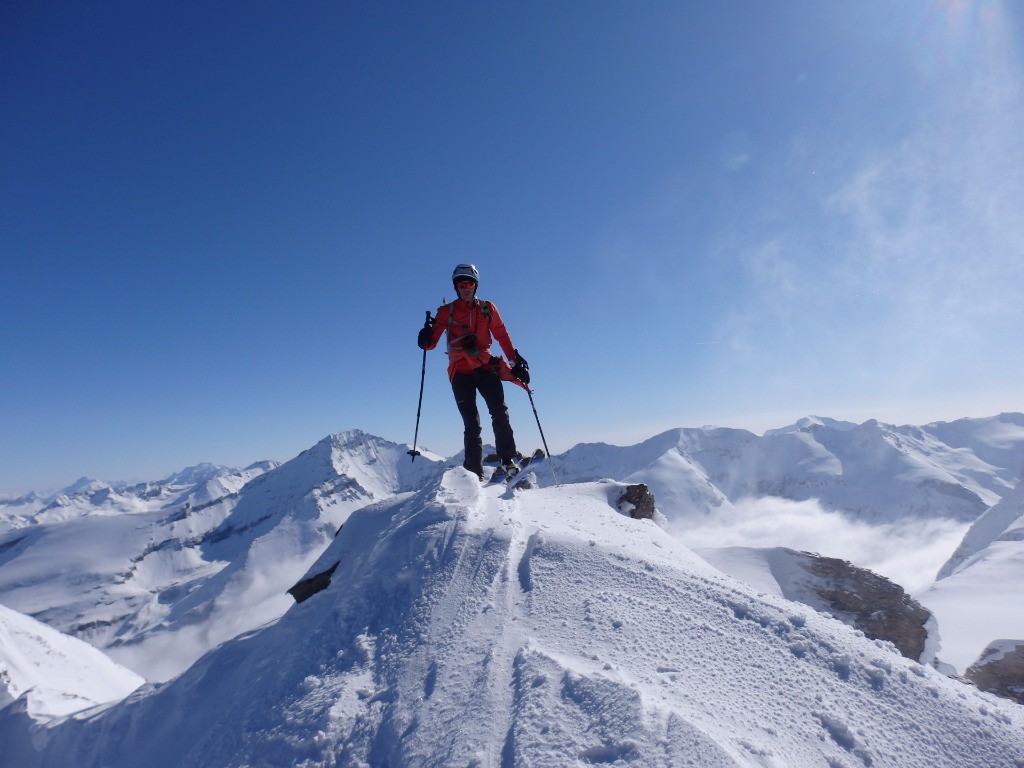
[(470, 324)]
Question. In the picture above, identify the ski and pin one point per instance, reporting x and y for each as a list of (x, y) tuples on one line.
[(518, 475)]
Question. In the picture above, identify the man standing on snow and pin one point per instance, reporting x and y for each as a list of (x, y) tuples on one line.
[(470, 324)]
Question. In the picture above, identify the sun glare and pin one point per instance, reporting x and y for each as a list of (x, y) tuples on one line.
[(962, 37)]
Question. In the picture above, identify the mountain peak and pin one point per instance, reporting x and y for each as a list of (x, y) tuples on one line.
[(467, 625), (199, 473), (810, 422), (83, 485)]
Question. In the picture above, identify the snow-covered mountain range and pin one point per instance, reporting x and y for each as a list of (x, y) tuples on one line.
[(158, 574), (468, 625), (872, 471)]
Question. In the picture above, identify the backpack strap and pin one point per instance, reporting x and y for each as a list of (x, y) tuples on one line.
[(485, 307), (448, 331)]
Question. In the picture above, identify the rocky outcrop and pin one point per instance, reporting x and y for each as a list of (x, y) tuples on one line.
[(637, 502), (306, 588), (1000, 670), (879, 608)]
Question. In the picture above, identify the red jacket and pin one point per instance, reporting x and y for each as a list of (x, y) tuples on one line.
[(467, 323)]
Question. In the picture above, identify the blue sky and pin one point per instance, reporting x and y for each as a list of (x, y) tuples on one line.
[(222, 223)]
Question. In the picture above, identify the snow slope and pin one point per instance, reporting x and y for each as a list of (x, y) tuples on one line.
[(158, 574), (979, 596), (52, 674), (873, 472), (155, 574), (477, 627)]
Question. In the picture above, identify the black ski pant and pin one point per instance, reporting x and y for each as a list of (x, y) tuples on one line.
[(488, 383)]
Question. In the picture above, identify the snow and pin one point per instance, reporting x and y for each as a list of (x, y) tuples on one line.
[(758, 568), (993, 440), (908, 551), (55, 675), (997, 521), (157, 575), (483, 626), (872, 472), (470, 625), (805, 424), (979, 594)]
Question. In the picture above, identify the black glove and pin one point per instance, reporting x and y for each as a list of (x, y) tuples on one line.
[(425, 337), (521, 369)]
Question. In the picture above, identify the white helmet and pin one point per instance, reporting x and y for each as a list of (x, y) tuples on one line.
[(466, 272)]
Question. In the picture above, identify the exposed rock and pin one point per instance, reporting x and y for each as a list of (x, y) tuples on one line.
[(878, 607), (871, 603), (306, 588), (1000, 670), (637, 502)]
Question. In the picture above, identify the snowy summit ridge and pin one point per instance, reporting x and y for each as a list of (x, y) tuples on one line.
[(471, 626)]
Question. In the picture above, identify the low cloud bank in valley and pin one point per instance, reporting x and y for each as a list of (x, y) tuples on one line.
[(908, 552)]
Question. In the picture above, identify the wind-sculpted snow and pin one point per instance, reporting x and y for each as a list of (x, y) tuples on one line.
[(473, 626)]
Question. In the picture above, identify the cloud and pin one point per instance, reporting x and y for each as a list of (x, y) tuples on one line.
[(933, 221), (908, 552), (889, 261)]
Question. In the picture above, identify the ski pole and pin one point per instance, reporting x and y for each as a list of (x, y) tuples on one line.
[(419, 408), (542, 438)]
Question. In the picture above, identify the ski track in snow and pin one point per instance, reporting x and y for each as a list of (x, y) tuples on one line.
[(468, 626), (514, 597)]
